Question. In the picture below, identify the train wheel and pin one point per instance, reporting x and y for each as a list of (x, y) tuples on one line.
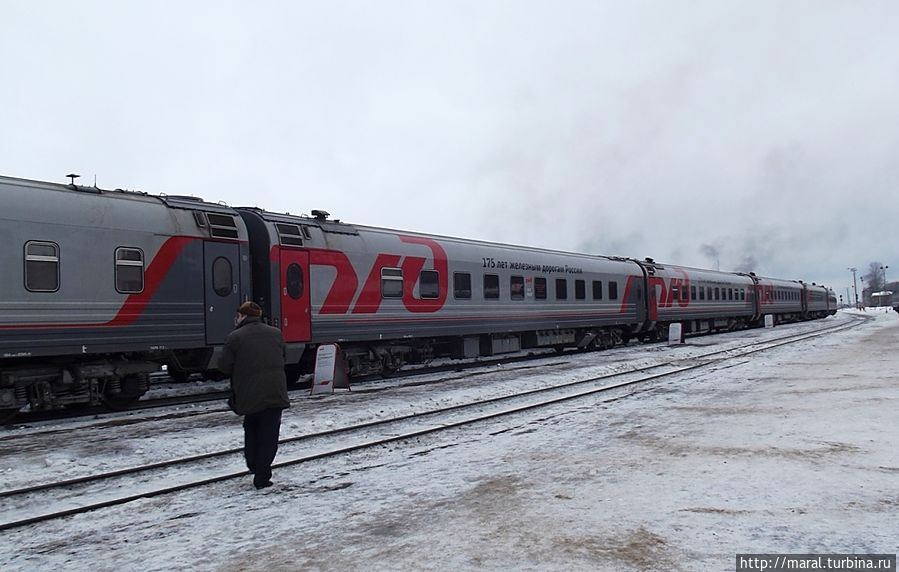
[(7, 415), (390, 364), (118, 396)]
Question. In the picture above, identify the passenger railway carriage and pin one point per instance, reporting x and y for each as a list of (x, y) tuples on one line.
[(389, 296), (100, 288)]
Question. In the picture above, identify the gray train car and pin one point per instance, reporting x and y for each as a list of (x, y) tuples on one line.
[(100, 288), (391, 297), (783, 299), (701, 300), (818, 302)]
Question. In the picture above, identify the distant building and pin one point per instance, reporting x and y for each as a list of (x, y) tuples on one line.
[(882, 298)]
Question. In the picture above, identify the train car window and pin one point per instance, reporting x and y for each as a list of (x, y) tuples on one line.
[(516, 287), (129, 270), (701, 293), (462, 285), (693, 292), (561, 289), (491, 287), (540, 288), (613, 290), (295, 281), (289, 234), (429, 284), (392, 282), (200, 219), (221, 276), (717, 294), (41, 266), (742, 294), (580, 290), (675, 293), (597, 289), (306, 232), (730, 293)]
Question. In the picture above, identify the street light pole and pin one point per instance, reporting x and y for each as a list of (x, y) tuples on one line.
[(884, 268), (854, 286)]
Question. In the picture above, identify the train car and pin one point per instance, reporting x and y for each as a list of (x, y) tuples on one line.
[(782, 299), (390, 297), (102, 287), (816, 302), (701, 300)]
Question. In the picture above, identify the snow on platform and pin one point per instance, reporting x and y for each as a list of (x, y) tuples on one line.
[(793, 450)]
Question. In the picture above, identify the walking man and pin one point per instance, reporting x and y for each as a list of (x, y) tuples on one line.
[(253, 357)]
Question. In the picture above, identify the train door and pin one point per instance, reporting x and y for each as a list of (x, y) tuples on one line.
[(222, 288), (296, 324)]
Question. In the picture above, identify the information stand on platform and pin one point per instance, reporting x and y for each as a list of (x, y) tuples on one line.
[(330, 370), (769, 321), (675, 334)]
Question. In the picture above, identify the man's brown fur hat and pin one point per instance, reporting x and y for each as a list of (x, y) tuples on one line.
[(251, 309)]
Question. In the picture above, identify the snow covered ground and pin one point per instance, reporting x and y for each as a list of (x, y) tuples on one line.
[(791, 450)]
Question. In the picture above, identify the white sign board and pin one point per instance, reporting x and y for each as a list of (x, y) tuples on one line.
[(330, 370), (675, 334), (769, 321)]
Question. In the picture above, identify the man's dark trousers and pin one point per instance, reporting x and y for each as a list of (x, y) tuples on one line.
[(261, 443)]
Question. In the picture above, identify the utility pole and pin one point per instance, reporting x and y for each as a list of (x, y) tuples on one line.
[(854, 286)]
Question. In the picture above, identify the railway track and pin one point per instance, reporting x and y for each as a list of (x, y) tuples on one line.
[(52, 500)]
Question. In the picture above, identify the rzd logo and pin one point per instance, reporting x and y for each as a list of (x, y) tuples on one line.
[(345, 285)]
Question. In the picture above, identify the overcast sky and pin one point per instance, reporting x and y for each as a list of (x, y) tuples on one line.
[(749, 135)]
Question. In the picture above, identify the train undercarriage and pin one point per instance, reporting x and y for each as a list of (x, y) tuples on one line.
[(115, 382)]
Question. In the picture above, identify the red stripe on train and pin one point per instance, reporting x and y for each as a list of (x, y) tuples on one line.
[(135, 304)]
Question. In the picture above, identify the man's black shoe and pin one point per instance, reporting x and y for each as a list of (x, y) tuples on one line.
[(264, 485)]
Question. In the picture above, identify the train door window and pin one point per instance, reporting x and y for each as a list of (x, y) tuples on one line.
[(742, 294), (540, 288), (580, 290), (429, 284), (462, 285), (221, 276), (516, 287), (730, 294), (675, 293), (701, 293), (295, 281), (561, 289), (41, 266), (597, 289), (129, 270), (392, 282), (491, 287), (613, 290)]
